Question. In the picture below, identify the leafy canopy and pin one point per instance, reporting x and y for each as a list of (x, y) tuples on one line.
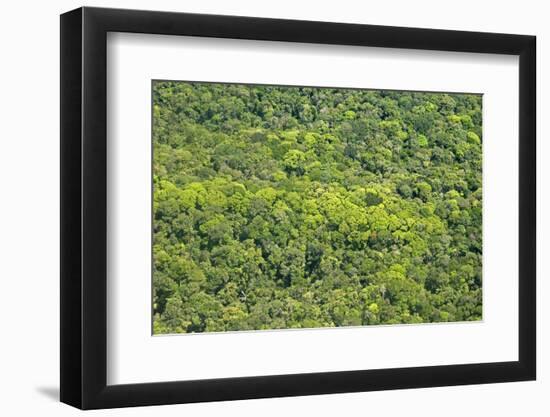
[(284, 207)]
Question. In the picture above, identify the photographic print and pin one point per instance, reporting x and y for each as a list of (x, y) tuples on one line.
[(325, 189), (284, 207)]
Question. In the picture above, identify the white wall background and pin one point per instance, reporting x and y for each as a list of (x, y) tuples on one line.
[(29, 210)]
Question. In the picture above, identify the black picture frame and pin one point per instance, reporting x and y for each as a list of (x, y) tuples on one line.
[(84, 207)]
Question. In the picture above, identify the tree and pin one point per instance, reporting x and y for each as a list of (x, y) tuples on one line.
[(293, 161), (282, 207)]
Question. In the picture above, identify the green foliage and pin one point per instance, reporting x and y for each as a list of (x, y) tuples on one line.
[(278, 207)]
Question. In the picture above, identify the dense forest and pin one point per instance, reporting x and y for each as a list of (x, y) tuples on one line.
[(286, 207)]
